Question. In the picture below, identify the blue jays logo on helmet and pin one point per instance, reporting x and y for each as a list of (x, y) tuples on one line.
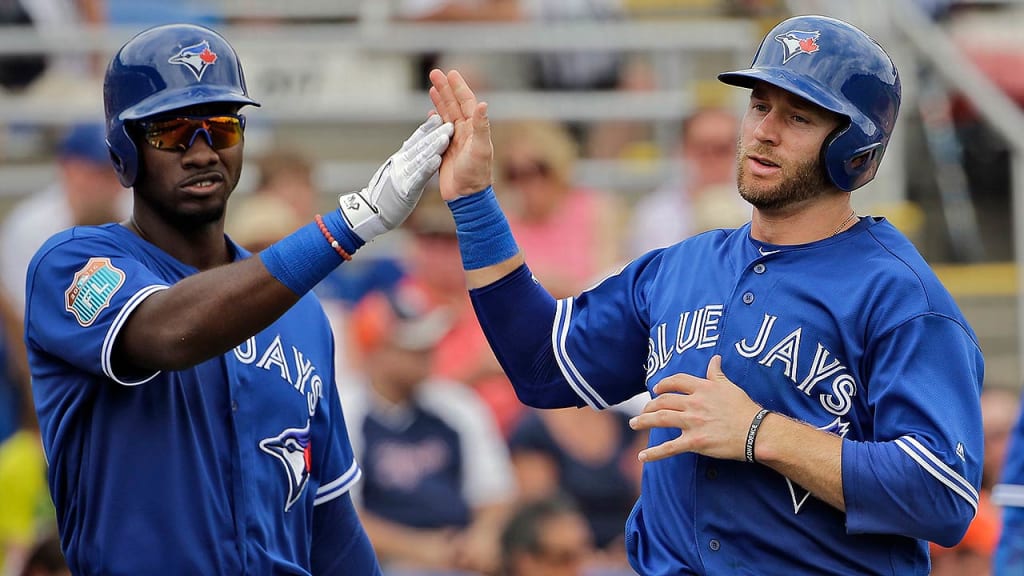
[(797, 42), (196, 58), (292, 448)]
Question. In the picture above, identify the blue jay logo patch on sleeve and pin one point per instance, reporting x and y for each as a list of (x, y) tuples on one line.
[(293, 450), (92, 289)]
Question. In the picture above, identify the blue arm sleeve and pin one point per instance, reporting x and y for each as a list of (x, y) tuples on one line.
[(516, 314), (1009, 556), (921, 477), (340, 545)]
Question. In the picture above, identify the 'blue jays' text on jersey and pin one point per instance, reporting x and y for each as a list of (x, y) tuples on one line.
[(214, 469), (854, 335)]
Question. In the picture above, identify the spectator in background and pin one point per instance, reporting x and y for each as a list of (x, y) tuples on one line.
[(547, 537), (702, 194), (591, 457), (46, 559), (260, 220), (432, 261), (26, 511), (535, 165), (977, 551), (86, 192), (436, 476), (284, 198), (288, 176)]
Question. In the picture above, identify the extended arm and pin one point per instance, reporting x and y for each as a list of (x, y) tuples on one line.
[(213, 311)]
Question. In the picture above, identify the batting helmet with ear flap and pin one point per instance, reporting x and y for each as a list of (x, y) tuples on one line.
[(840, 68), (162, 69)]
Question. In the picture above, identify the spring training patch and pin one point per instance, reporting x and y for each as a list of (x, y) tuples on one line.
[(91, 290)]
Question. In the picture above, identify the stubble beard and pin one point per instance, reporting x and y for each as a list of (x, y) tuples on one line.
[(800, 182)]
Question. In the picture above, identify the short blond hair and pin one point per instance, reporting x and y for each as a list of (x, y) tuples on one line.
[(550, 141)]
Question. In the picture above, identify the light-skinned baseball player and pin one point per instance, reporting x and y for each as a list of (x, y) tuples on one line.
[(816, 389), (185, 388)]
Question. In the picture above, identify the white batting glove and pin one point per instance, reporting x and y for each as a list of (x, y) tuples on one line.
[(397, 185)]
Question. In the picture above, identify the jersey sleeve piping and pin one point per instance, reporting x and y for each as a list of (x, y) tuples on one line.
[(563, 315), (339, 486), (934, 466), (115, 329)]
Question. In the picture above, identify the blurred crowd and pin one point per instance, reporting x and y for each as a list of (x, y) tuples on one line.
[(459, 477)]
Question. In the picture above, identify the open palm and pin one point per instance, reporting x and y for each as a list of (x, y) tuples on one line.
[(466, 165)]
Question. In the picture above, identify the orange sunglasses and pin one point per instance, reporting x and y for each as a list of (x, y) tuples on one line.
[(179, 133)]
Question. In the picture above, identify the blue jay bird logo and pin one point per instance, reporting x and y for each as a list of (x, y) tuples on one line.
[(196, 58), (798, 42), (292, 449)]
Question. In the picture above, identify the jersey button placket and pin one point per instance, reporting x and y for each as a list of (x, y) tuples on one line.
[(714, 545), (759, 268), (748, 298)]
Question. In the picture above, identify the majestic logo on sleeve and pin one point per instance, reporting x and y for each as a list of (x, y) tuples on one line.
[(292, 448), (797, 42), (196, 58), (92, 289)]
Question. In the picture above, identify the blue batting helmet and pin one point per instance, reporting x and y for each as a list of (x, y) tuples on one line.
[(162, 69), (840, 68)]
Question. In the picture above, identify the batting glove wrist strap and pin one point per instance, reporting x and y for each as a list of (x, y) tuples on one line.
[(484, 236), (301, 260), (397, 185)]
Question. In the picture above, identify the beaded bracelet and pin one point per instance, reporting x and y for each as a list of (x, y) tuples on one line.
[(752, 434), (330, 239)]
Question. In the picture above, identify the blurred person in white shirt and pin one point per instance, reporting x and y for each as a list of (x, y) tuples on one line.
[(702, 194), (85, 192)]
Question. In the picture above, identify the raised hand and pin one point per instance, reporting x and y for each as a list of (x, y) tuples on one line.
[(466, 165), (397, 185)]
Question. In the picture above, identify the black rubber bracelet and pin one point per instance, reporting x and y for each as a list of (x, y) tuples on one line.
[(752, 434)]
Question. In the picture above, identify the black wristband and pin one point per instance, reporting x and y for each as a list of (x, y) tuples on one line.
[(752, 434)]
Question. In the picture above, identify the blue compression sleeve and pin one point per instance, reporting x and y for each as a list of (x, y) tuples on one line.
[(304, 258), (517, 315), (484, 236), (1009, 556), (340, 544)]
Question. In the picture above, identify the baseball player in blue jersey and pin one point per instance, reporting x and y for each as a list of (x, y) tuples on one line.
[(185, 388), (1009, 495), (816, 389)]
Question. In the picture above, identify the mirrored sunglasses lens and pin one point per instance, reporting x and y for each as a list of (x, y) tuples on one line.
[(225, 131), (177, 133), (171, 134)]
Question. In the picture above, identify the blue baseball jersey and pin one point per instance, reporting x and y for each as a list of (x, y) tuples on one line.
[(1009, 494), (852, 334), (214, 469)]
